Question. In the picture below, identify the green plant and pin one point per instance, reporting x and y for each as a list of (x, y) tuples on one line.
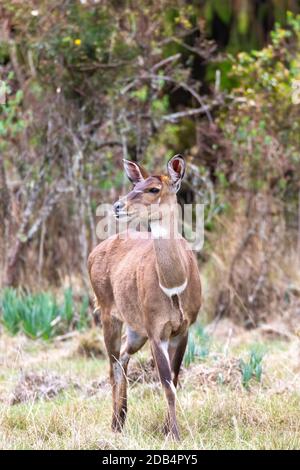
[(10, 307), (252, 368), (40, 315), (198, 345), (265, 152), (83, 322), (67, 309), (12, 119)]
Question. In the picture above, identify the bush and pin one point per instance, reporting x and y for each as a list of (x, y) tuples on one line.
[(262, 120), (259, 178)]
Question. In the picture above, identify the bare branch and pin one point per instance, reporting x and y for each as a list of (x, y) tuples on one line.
[(190, 112), (99, 65), (185, 87), (166, 61), (109, 143), (203, 54), (204, 109), (47, 208)]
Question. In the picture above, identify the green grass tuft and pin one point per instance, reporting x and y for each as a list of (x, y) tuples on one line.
[(40, 315), (198, 345), (252, 368)]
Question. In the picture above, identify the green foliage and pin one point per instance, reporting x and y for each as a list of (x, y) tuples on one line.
[(10, 307), (67, 310), (271, 71), (83, 321), (141, 93), (251, 369), (198, 345), (99, 81), (40, 315), (12, 120), (262, 119), (4, 52)]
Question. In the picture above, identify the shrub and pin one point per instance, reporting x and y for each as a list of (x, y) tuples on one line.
[(259, 178), (261, 121)]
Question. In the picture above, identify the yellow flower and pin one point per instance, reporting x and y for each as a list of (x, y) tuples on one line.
[(77, 42)]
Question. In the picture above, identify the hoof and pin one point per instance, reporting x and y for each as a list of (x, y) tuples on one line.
[(118, 421), (116, 425), (166, 428), (116, 428), (173, 432)]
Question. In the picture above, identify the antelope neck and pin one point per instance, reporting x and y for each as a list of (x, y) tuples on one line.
[(169, 257)]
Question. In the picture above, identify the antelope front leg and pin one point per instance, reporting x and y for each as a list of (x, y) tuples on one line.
[(161, 357), (112, 329), (134, 342)]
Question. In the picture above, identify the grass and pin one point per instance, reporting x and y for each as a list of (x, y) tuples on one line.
[(252, 368), (214, 420), (198, 344), (40, 315), (212, 415)]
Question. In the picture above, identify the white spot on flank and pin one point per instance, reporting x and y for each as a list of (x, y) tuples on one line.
[(173, 290)]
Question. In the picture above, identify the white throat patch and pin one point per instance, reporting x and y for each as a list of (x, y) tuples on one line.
[(159, 231), (173, 290)]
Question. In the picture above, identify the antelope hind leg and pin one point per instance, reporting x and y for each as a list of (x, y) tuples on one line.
[(134, 342), (177, 347)]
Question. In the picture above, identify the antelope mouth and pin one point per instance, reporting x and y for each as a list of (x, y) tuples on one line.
[(124, 216)]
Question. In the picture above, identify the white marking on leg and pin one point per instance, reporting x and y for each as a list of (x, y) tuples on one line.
[(173, 388), (177, 290), (164, 345)]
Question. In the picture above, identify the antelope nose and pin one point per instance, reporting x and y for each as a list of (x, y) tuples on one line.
[(118, 206)]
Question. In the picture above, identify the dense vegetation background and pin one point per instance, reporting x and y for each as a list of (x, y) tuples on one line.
[(91, 82), (85, 83)]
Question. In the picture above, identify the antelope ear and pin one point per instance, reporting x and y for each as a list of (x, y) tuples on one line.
[(176, 170), (134, 171)]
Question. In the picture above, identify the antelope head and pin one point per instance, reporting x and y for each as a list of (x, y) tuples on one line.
[(155, 193)]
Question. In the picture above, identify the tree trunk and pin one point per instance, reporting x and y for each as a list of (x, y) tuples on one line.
[(12, 266), (5, 217)]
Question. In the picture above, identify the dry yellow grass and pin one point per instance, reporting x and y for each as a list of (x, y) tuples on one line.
[(212, 414)]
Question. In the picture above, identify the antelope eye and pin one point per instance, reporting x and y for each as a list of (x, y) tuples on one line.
[(153, 190)]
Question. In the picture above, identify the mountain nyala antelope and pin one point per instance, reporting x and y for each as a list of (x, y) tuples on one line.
[(151, 284)]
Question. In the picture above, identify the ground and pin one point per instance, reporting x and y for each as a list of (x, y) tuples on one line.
[(53, 397)]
